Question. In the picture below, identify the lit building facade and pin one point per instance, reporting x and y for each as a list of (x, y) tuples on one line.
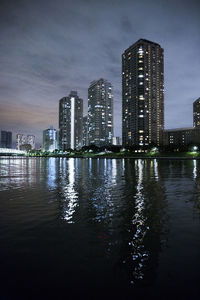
[(31, 141), (50, 141), (116, 140), (20, 140), (85, 131), (6, 139), (100, 113), (181, 136), (142, 94), (70, 122), (196, 113)]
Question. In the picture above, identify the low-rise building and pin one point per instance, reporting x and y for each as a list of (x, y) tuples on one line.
[(181, 136), (116, 140)]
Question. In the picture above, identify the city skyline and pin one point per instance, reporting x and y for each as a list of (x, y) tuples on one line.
[(44, 58)]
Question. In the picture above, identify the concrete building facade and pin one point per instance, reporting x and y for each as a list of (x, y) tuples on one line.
[(100, 113), (20, 140), (142, 94), (196, 113), (6, 139), (181, 136), (85, 131), (50, 139), (70, 122), (31, 140)]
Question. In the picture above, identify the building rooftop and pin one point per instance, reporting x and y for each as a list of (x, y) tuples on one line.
[(99, 80), (198, 100), (142, 41), (180, 129)]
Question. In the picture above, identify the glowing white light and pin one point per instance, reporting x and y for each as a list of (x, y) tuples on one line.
[(11, 151), (114, 171), (70, 193), (156, 169), (194, 168), (72, 121)]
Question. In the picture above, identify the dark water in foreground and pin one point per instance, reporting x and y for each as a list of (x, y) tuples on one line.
[(99, 229)]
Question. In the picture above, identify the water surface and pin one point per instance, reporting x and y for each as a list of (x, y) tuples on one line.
[(99, 228)]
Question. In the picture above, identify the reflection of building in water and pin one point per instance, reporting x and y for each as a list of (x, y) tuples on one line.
[(102, 196), (19, 172), (156, 169), (51, 172), (139, 253), (121, 202), (196, 176), (194, 168), (141, 218), (69, 193)]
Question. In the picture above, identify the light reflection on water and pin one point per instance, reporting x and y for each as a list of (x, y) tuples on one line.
[(116, 219), (69, 192), (195, 168), (139, 254)]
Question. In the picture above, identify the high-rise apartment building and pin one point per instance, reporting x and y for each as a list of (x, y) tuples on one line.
[(31, 141), (50, 139), (85, 131), (20, 140), (196, 113), (70, 122), (142, 94), (6, 139), (100, 113)]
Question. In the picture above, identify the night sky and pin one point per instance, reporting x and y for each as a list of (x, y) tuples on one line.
[(48, 48)]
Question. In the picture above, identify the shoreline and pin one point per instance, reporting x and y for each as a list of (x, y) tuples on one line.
[(106, 157)]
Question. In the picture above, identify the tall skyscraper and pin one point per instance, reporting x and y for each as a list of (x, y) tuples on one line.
[(20, 140), (196, 113), (50, 139), (100, 113), (70, 122), (31, 141), (142, 94), (85, 131), (6, 139)]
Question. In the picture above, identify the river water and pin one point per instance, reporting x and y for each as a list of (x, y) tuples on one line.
[(99, 228)]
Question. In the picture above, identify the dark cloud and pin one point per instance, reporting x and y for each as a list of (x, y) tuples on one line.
[(126, 25), (51, 47)]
